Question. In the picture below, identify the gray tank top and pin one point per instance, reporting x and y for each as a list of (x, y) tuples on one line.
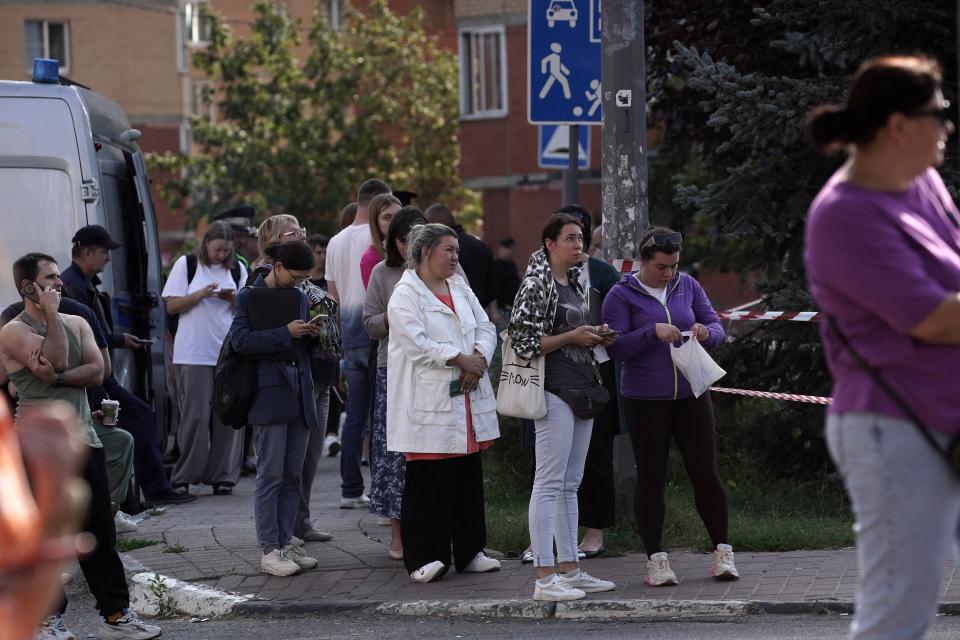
[(33, 390)]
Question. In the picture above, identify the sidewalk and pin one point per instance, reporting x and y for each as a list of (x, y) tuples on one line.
[(211, 542)]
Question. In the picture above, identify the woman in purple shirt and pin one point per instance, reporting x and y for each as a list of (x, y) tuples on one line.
[(651, 308), (883, 261)]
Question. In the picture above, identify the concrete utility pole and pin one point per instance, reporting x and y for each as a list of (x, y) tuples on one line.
[(624, 170), (624, 153)]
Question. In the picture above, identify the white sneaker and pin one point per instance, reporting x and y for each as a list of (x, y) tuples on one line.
[(482, 563), (553, 589), (580, 579), (124, 523), (429, 572), (331, 446), (723, 567), (129, 627), (298, 555), (659, 573), (53, 629), (295, 541), (278, 563), (361, 502)]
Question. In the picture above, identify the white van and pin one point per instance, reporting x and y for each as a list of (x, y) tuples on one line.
[(68, 158)]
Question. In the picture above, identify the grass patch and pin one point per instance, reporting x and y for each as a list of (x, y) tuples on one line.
[(766, 514), (129, 544)]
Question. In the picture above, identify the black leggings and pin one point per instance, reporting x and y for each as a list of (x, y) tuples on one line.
[(689, 421)]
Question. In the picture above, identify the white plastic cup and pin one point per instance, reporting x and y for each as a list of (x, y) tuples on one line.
[(111, 411)]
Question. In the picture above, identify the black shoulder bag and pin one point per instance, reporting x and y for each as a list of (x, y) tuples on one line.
[(952, 452)]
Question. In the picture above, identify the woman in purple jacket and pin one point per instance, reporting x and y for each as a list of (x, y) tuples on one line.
[(651, 309)]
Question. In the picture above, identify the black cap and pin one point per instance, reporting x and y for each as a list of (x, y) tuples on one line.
[(239, 218), (94, 236), (405, 197)]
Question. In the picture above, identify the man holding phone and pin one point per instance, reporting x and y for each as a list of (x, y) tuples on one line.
[(51, 356)]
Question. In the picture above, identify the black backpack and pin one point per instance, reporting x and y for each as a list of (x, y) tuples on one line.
[(234, 385), (173, 319)]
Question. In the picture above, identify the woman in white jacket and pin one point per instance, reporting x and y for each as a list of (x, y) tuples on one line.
[(442, 408)]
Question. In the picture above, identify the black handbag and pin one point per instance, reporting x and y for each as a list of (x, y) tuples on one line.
[(586, 403), (951, 454)]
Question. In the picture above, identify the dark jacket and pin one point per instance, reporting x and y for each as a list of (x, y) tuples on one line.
[(476, 258), (278, 400), (507, 281), (84, 290)]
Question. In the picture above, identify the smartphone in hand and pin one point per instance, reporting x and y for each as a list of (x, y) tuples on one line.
[(455, 388)]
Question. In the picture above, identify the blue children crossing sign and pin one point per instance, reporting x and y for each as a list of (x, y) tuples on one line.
[(563, 76), (554, 145)]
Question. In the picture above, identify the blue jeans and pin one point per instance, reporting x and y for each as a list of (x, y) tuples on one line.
[(907, 506), (356, 372), (280, 452)]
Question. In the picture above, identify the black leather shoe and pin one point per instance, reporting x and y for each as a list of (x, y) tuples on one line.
[(170, 497)]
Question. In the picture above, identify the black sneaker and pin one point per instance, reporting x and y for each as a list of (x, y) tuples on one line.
[(170, 497)]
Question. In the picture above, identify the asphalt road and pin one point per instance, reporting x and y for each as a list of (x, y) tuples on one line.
[(82, 620)]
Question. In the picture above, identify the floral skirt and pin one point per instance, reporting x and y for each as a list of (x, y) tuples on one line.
[(386, 467)]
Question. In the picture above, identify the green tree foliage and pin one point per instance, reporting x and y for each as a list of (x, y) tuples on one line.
[(734, 82), (377, 97)]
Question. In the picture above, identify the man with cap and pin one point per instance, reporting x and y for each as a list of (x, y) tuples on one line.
[(240, 220), (91, 253)]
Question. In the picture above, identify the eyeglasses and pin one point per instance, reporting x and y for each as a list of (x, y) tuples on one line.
[(942, 113), (300, 232), (664, 239)]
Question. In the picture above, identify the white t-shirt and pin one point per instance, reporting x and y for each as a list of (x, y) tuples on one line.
[(343, 268), (659, 294), (202, 329)]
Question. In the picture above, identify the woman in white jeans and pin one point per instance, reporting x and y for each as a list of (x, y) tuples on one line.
[(550, 318), (886, 217)]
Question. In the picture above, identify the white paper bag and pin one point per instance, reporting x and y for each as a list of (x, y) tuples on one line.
[(696, 365)]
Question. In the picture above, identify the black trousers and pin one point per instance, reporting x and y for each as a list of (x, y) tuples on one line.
[(689, 422), (596, 496), (102, 569), (443, 505)]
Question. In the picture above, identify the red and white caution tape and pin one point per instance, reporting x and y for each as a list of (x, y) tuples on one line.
[(747, 305), (770, 395), (795, 316), (622, 266)]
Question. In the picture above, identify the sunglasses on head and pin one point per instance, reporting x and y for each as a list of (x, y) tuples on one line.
[(664, 240), (943, 113)]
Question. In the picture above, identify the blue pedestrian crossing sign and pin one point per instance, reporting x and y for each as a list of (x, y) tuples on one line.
[(554, 145), (563, 74)]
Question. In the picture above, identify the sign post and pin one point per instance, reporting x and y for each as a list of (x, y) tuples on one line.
[(563, 76)]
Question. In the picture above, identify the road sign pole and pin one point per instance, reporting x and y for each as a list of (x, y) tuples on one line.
[(571, 173), (624, 138)]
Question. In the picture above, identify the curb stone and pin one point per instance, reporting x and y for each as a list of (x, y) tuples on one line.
[(659, 609), (479, 608), (185, 598)]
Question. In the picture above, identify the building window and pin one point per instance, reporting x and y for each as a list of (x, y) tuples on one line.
[(201, 100), (483, 73), (334, 13), (196, 26), (48, 39)]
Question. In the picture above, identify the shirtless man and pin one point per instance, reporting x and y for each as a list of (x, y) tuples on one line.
[(53, 356)]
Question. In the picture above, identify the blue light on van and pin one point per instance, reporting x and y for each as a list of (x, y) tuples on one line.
[(46, 71)]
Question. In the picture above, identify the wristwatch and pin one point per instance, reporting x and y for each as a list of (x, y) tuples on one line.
[(60, 380)]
